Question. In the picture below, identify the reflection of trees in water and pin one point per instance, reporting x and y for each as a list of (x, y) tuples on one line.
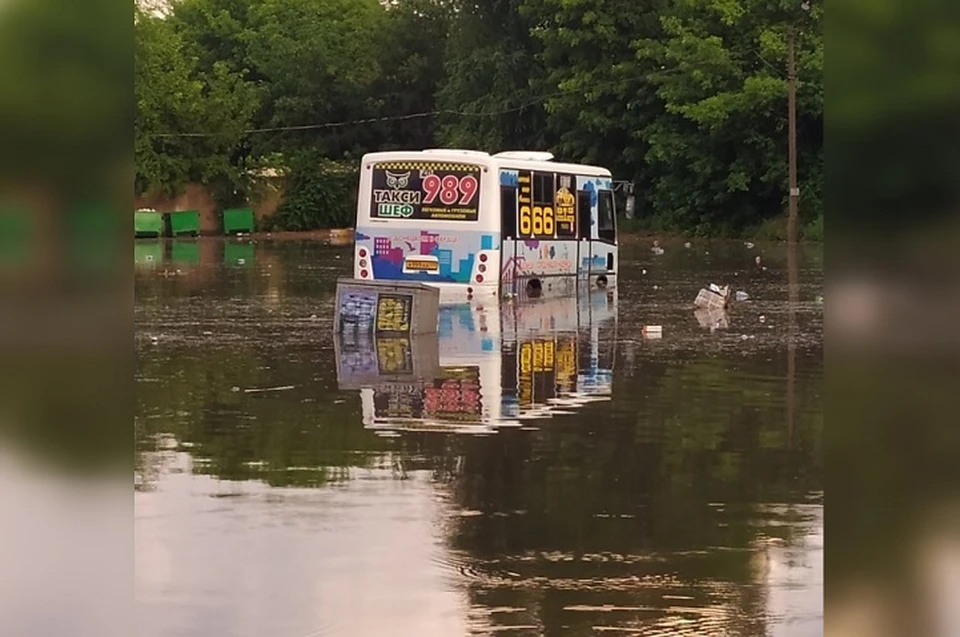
[(277, 269), (298, 437), (599, 506)]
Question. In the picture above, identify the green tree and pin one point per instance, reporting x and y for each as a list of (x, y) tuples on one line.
[(189, 122), (718, 147), (318, 60), (491, 76), (411, 60), (599, 95)]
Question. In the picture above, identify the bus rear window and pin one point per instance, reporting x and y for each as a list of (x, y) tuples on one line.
[(425, 190)]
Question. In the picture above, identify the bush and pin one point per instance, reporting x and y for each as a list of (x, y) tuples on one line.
[(813, 231), (320, 193)]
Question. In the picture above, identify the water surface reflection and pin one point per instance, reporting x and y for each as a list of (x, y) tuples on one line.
[(294, 482), (489, 366)]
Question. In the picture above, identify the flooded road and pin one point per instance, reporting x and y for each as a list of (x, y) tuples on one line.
[(533, 469)]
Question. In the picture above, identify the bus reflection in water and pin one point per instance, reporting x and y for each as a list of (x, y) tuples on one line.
[(489, 365)]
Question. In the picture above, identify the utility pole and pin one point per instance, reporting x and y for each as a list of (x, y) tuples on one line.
[(792, 134)]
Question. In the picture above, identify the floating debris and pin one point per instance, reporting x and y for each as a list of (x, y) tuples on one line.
[(749, 245), (652, 331), (740, 295), (265, 389), (712, 318), (714, 297)]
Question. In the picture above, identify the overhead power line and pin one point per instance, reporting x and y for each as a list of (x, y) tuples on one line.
[(396, 118)]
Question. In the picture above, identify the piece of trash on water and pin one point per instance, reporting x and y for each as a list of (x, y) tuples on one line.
[(336, 256), (254, 390), (740, 295), (757, 260), (749, 245), (820, 299), (712, 318), (763, 318), (234, 389), (714, 297), (313, 317), (241, 261), (644, 271), (656, 250), (652, 331), (656, 287), (686, 245)]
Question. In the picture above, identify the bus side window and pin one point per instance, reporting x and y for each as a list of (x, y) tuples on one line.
[(544, 189), (508, 212), (583, 214), (606, 228)]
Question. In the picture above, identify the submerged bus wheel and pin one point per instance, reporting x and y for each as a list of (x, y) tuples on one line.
[(534, 288), (601, 281)]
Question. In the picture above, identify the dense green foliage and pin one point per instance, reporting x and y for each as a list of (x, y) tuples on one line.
[(319, 192), (687, 99)]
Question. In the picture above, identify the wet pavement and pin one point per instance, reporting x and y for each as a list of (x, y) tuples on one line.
[(535, 468)]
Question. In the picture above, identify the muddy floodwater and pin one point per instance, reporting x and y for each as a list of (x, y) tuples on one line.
[(541, 468)]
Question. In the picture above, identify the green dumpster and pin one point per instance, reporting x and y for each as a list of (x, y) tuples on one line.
[(184, 222), (147, 223), (237, 220), (238, 255), (187, 252), (147, 254)]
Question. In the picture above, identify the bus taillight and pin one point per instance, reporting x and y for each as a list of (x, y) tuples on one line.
[(483, 258)]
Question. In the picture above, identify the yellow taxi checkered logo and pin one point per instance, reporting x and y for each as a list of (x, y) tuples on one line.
[(425, 165)]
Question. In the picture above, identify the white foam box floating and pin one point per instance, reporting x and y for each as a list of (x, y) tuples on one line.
[(386, 307), (652, 331)]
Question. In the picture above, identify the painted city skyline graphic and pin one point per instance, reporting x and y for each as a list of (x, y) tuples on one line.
[(455, 263)]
